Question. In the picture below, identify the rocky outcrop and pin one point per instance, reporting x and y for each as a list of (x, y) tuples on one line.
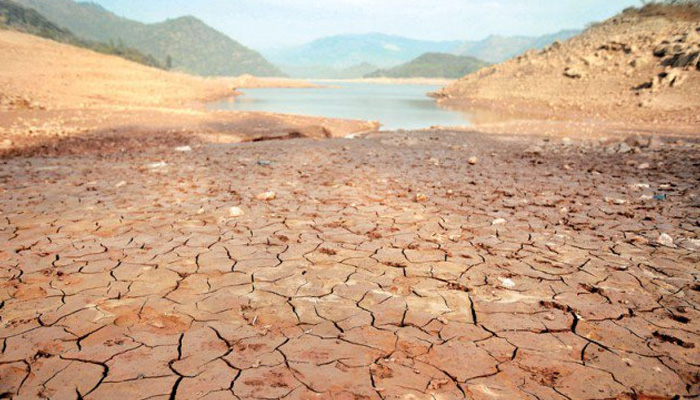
[(633, 67)]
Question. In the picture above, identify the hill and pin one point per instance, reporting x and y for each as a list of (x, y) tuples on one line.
[(186, 44), (347, 51), (26, 20), (496, 49), (58, 75), (639, 66), (433, 65)]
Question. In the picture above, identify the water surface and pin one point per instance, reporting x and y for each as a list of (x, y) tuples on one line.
[(394, 106)]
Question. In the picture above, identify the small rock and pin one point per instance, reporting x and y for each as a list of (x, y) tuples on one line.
[(644, 166), (267, 196), (157, 165), (624, 148), (574, 73), (534, 150), (639, 240), (235, 212), (636, 141), (120, 184), (421, 198), (183, 149), (473, 160), (692, 244), (499, 221), (665, 240), (612, 200), (507, 283)]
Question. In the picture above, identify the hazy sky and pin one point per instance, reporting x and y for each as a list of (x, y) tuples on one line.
[(268, 23)]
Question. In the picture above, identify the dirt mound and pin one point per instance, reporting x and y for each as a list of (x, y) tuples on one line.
[(638, 66)]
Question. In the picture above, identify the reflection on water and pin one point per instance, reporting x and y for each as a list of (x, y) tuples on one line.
[(394, 106)]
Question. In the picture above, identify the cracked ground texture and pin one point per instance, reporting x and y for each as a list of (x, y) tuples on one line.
[(387, 267)]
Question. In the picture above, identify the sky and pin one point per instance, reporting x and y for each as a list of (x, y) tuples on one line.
[(266, 24)]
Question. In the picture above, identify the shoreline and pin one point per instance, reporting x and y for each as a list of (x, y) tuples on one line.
[(54, 96), (392, 81)]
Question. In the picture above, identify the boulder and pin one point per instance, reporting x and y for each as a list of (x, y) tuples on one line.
[(683, 60)]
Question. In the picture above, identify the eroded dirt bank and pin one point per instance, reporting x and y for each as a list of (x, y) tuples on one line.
[(395, 266)]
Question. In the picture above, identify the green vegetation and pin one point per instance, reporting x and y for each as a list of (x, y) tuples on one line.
[(433, 65), (17, 18), (185, 44)]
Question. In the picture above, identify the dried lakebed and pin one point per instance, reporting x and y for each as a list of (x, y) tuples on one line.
[(382, 268)]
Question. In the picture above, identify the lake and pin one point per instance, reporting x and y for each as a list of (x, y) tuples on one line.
[(394, 106)]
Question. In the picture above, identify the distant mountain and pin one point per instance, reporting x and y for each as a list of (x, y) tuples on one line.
[(186, 44), (345, 51), (496, 49), (26, 20), (325, 72), (433, 65)]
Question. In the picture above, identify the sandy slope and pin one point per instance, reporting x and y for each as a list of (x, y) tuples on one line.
[(54, 91), (594, 76)]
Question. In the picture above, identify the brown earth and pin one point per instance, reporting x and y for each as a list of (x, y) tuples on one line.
[(389, 267), (53, 94), (143, 256), (631, 72)]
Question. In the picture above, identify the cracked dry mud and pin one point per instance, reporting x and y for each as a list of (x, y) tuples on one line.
[(385, 268)]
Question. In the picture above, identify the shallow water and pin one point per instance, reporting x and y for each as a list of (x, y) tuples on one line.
[(394, 106)]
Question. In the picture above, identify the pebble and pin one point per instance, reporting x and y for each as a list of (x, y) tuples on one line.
[(534, 150), (161, 164), (613, 200), (665, 240), (473, 160), (421, 198), (267, 196), (644, 166), (507, 283), (120, 184), (183, 149), (499, 221), (236, 212), (624, 148)]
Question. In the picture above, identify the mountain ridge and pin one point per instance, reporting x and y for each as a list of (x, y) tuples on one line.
[(340, 52), (15, 17), (188, 43), (433, 65), (499, 48)]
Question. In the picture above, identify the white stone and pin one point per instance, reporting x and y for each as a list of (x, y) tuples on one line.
[(236, 212), (665, 240), (161, 164), (507, 283)]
